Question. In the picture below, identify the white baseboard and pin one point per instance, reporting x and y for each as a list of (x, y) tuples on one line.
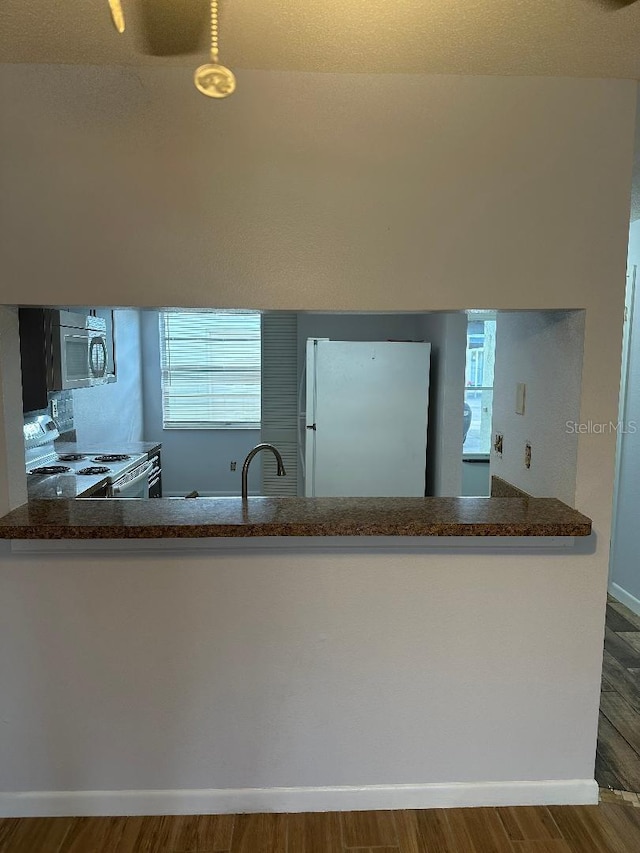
[(244, 800), (625, 598)]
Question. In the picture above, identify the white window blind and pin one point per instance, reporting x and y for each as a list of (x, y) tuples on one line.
[(210, 368)]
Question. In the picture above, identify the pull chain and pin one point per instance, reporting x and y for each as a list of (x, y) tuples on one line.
[(213, 79), (215, 53)]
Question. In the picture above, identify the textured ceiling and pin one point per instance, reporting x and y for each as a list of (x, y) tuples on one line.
[(586, 38)]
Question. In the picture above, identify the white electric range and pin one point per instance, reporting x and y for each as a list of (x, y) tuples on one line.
[(124, 475)]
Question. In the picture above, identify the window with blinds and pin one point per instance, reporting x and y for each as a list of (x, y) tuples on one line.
[(210, 369)]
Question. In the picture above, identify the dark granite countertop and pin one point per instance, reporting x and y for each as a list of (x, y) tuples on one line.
[(228, 517)]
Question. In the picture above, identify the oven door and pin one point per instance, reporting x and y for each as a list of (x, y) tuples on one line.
[(133, 484)]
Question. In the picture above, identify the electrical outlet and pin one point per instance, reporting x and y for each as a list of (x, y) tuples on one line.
[(54, 408), (527, 455), (232, 466), (498, 444)]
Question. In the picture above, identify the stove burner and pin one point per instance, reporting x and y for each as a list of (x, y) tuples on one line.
[(111, 457), (94, 469), (71, 457), (51, 469)]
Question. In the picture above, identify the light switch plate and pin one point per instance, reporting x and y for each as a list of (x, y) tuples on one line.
[(521, 390)]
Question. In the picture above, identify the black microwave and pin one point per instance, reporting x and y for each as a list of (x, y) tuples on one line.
[(62, 350)]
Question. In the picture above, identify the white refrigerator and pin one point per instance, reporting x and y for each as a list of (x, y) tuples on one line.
[(366, 418)]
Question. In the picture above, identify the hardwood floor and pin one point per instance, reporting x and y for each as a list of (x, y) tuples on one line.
[(618, 754), (611, 827)]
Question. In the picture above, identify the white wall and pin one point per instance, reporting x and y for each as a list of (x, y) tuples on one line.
[(314, 192), (196, 458), (476, 479), (306, 200), (106, 415), (624, 570), (543, 350), (177, 670)]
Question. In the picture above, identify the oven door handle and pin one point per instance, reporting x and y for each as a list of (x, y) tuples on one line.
[(123, 483)]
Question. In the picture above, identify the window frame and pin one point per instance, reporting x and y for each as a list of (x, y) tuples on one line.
[(214, 372), (474, 316)]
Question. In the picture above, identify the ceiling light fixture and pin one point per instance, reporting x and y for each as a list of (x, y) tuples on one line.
[(213, 79)]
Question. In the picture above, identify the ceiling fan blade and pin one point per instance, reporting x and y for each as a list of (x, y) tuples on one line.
[(614, 5), (117, 15), (173, 27)]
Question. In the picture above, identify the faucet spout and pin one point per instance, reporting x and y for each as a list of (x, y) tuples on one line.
[(245, 468)]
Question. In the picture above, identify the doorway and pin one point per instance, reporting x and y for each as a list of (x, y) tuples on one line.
[(618, 750)]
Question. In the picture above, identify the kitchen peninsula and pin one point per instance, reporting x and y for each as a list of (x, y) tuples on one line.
[(231, 517)]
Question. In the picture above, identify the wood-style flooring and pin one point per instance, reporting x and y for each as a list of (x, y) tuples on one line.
[(618, 754), (606, 828)]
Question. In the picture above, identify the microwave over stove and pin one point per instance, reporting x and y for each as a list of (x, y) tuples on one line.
[(60, 351)]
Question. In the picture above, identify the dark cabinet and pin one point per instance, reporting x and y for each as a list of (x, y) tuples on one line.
[(101, 491), (51, 351), (36, 378)]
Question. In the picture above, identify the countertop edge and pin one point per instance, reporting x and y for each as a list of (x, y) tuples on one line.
[(291, 517), (209, 531)]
